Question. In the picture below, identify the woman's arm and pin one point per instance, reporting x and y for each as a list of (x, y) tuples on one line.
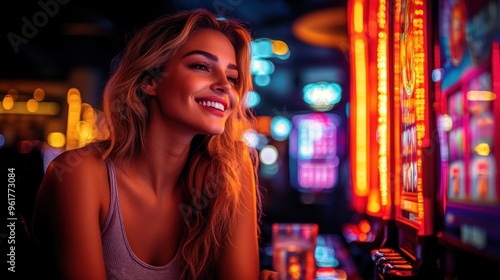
[(66, 217), (240, 260)]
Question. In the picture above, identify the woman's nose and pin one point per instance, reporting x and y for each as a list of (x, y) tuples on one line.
[(221, 84)]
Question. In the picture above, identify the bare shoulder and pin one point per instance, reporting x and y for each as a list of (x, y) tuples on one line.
[(73, 186), (75, 173), (69, 211), (74, 163)]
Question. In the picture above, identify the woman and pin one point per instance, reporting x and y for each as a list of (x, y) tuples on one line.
[(172, 193)]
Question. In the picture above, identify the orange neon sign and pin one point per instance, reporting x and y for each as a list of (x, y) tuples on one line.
[(359, 87)]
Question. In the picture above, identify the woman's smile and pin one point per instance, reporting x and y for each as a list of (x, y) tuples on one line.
[(213, 104)]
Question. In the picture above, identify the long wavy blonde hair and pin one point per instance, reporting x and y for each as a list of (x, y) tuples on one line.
[(211, 178)]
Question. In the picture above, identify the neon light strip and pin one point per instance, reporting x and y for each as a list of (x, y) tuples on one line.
[(382, 74), (361, 122)]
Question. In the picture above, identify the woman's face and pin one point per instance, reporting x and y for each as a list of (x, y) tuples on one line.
[(197, 90)]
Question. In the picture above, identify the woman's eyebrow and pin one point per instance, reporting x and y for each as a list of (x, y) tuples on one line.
[(209, 56)]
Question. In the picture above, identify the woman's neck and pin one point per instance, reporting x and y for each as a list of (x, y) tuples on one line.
[(162, 160)]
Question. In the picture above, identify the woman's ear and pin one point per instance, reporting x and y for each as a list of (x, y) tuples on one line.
[(149, 87)]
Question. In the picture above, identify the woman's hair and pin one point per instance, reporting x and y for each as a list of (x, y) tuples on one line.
[(211, 178)]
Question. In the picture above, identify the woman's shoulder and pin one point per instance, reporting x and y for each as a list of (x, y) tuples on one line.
[(78, 156), (75, 175), (73, 164), (72, 188)]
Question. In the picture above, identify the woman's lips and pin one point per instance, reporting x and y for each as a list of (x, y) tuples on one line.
[(214, 105)]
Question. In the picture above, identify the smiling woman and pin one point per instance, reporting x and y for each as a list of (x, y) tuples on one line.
[(172, 193), (203, 104)]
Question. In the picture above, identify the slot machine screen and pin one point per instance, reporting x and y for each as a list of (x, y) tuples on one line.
[(468, 124), (414, 115), (314, 164)]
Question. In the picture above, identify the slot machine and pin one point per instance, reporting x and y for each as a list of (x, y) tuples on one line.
[(468, 83), (314, 162), (412, 253), (313, 152), (370, 123), (371, 131)]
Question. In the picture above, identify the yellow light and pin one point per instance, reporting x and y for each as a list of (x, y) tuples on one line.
[(8, 102), (294, 269), (481, 95), (358, 17), (74, 109), (32, 105), (38, 94), (74, 96), (382, 74), (279, 47), (84, 107), (361, 186), (84, 132), (482, 149), (373, 202), (56, 139), (447, 122), (21, 107), (89, 115)]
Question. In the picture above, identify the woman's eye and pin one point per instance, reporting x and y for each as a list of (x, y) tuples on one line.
[(233, 80), (200, 66)]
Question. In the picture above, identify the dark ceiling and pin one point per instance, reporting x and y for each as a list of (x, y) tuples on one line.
[(54, 47)]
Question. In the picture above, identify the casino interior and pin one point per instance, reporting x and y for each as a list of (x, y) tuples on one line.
[(376, 120)]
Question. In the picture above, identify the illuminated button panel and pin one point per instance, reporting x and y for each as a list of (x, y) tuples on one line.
[(390, 262)]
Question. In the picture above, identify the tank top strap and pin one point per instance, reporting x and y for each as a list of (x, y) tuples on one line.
[(112, 193)]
